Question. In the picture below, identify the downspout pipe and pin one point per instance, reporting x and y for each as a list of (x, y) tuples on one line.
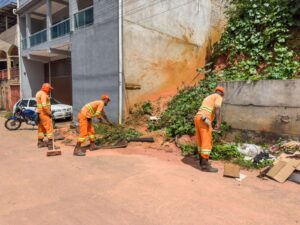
[(120, 61), (19, 51)]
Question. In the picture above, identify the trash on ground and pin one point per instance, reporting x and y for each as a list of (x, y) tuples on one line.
[(290, 147), (242, 177), (286, 147), (250, 149), (282, 169), (231, 170), (154, 118), (295, 177), (262, 157)]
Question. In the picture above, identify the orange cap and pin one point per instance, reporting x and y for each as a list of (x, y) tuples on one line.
[(47, 87), (221, 89), (104, 97)]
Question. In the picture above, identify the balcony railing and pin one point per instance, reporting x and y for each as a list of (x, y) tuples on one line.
[(38, 38), (84, 17), (3, 75), (24, 43), (14, 73), (60, 29)]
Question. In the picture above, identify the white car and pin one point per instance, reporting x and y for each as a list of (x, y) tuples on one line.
[(60, 111)]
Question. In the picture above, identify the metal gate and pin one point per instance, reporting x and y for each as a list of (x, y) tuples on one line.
[(15, 95)]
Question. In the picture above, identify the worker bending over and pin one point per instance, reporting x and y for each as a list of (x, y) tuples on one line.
[(86, 127), (211, 107), (45, 126)]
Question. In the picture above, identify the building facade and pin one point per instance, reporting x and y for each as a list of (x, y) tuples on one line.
[(9, 56), (132, 50)]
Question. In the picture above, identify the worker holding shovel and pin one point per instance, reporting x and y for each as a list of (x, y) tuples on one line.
[(211, 107), (86, 127)]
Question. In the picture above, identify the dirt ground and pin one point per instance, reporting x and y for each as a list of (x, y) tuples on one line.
[(137, 185)]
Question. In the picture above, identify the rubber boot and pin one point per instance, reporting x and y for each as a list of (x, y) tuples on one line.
[(93, 147), (41, 143), (206, 167), (78, 151), (51, 145)]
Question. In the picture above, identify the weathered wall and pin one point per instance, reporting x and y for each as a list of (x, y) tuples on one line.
[(95, 60), (32, 77), (164, 43), (268, 106), (10, 36)]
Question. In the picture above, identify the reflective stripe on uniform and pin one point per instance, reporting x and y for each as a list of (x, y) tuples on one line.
[(205, 151), (206, 109), (92, 136), (81, 139), (41, 134), (49, 135), (98, 113), (90, 108)]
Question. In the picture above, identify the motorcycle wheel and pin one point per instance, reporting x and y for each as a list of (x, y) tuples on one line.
[(11, 124)]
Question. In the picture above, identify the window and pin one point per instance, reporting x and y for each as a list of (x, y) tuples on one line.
[(23, 103), (32, 103)]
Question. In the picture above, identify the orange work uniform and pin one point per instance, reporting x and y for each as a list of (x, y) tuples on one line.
[(203, 131), (45, 127), (86, 128)]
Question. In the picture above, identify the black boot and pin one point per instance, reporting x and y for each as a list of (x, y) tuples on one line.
[(51, 145), (41, 143), (206, 167), (78, 151)]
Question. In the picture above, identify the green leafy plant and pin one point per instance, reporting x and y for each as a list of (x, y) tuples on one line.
[(144, 109), (188, 150), (255, 41), (114, 134), (229, 152), (254, 44)]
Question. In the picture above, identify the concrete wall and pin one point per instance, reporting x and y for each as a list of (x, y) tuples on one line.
[(95, 60), (10, 36), (267, 106), (164, 43), (32, 77)]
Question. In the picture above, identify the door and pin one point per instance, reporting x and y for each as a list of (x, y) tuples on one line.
[(15, 95)]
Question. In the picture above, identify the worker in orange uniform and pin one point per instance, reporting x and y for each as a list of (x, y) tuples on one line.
[(86, 128), (211, 107), (45, 126)]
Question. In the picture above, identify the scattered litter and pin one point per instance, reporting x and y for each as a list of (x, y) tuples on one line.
[(282, 169), (250, 150), (290, 147), (242, 177), (248, 158), (154, 118), (231, 170), (295, 177), (262, 157)]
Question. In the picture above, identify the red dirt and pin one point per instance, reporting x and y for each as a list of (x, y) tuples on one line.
[(133, 186)]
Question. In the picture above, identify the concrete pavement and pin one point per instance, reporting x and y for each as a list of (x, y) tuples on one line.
[(108, 187)]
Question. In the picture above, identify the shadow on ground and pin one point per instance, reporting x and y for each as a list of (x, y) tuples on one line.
[(191, 161)]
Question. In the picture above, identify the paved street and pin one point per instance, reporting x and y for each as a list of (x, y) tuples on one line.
[(110, 187)]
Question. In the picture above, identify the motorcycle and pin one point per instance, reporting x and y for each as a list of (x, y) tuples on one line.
[(20, 116)]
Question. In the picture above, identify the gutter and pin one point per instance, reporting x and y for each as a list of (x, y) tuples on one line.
[(120, 61)]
